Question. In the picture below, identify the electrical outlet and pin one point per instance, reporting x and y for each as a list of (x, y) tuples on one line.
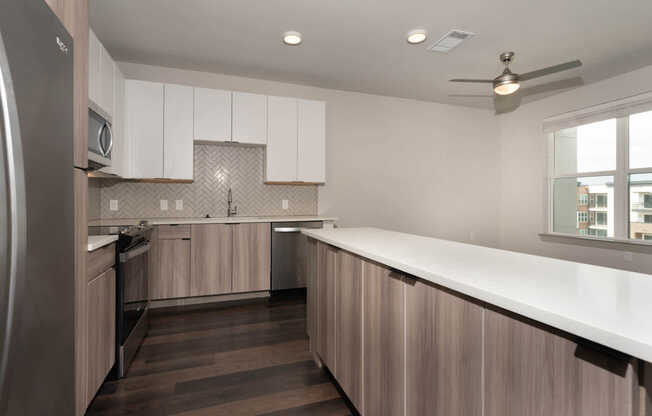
[(628, 256), (113, 204), (164, 204), (284, 204), (179, 204)]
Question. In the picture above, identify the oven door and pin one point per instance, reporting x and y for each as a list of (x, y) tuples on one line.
[(132, 288)]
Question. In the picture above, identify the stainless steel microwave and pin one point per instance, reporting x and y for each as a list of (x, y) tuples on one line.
[(100, 141)]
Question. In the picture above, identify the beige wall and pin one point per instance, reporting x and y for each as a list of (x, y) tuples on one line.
[(523, 175), (399, 164)]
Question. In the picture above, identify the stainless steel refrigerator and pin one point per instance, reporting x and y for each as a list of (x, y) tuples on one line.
[(36, 212)]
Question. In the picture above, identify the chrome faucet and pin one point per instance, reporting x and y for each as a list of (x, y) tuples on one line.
[(231, 210)]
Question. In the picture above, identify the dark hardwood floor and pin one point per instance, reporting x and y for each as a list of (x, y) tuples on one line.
[(224, 359)]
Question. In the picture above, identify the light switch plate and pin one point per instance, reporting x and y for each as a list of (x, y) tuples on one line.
[(164, 204), (113, 204), (179, 204), (284, 204)]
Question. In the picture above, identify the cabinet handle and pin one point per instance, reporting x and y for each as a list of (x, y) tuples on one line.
[(186, 239)]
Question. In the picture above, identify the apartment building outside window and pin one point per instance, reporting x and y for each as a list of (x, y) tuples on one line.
[(601, 173)]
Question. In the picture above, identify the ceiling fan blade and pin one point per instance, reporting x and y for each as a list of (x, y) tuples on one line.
[(550, 70), (507, 103), (552, 86), (483, 81)]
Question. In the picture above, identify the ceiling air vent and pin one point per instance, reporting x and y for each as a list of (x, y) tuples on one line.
[(450, 40)]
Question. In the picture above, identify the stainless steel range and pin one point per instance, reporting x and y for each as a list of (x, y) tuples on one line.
[(132, 264)]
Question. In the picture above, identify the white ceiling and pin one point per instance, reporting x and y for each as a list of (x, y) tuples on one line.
[(360, 45)]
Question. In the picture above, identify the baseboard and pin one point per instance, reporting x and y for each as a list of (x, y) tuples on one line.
[(165, 303)]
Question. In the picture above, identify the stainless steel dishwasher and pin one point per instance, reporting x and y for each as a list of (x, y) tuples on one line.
[(288, 254)]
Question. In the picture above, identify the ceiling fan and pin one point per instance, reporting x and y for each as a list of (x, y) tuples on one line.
[(508, 82)]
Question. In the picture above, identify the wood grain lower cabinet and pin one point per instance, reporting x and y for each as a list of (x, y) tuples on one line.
[(101, 330), (348, 325), (212, 257), (311, 290), (172, 279), (531, 370), (251, 257), (326, 264), (384, 337), (443, 352)]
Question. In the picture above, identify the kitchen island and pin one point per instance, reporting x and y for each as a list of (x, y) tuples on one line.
[(441, 327)]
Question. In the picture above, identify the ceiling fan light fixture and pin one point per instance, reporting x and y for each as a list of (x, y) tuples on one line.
[(507, 89), (507, 83)]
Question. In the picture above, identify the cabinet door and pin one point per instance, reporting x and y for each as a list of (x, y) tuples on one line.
[(101, 329), (178, 132), (173, 277), (281, 153), (249, 118), (384, 332), (251, 257), (212, 255), (212, 115), (106, 81), (326, 267), (443, 352), (311, 143), (311, 291), (145, 128), (94, 52), (532, 370), (348, 325)]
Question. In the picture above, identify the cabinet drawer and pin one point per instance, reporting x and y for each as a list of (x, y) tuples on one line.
[(100, 260), (171, 232)]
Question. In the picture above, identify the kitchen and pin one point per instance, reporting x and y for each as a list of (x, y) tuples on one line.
[(310, 209)]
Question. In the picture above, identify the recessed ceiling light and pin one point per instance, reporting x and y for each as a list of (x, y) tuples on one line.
[(292, 38), (417, 36)]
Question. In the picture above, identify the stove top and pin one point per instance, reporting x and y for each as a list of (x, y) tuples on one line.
[(130, 230), (129, 236)]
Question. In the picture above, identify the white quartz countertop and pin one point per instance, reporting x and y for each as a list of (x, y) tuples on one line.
[(99, 241), (217, 220), (608, 306)]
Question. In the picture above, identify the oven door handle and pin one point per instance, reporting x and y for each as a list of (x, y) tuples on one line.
[(142, 249)]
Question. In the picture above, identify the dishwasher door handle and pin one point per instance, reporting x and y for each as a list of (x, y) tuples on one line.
[(287, 229)]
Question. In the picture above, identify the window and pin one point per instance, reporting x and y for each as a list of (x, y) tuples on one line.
[(590, 186)]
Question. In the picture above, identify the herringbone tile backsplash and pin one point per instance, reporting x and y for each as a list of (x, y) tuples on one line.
[(217, 167)]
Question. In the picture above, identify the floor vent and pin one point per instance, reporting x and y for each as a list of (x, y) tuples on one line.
[(450, 41)]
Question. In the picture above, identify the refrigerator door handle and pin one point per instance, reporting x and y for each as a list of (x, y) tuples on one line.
[(15, 213)]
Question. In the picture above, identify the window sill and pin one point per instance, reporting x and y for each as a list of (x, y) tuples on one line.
[(611, 240)]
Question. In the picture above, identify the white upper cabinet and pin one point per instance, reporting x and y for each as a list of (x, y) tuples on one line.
[(100, 76), (144, 108), (94, 53), (249, 118), (311, 143), (212, 115), (281, 159), (178, 132)]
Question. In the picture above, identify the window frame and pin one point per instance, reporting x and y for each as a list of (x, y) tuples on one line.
[(620, 175)]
